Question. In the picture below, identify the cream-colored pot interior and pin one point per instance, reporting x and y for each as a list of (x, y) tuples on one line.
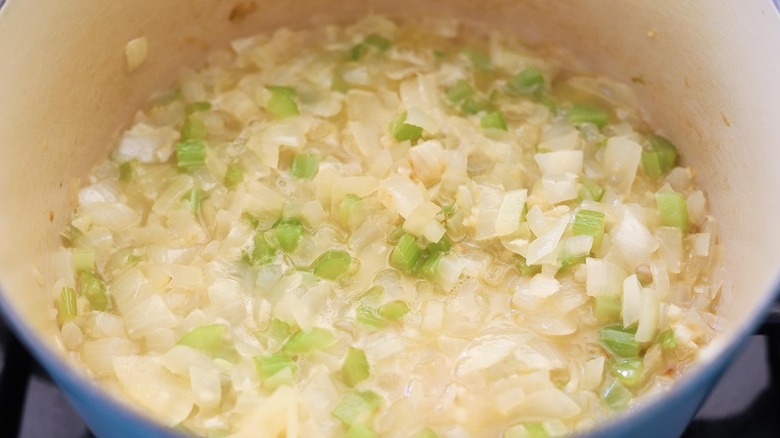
[(710, 72)]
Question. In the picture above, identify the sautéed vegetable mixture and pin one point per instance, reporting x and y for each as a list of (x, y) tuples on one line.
[(388, 229)]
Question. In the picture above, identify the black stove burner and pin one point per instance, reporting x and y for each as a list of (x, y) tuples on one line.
[(743, 404)]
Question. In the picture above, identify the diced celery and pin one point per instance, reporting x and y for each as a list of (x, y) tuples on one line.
[(673, 209), (90, 285), (305, 341), (332, 264), (607, 308), (596, 191), (393, 310), (536, 430), (355, 368), (581, 113), (357, 51), (660, 158), (619, 341), (269, 365), (233, 177), (305, 166), (527, 81), (406, 254), (403, 131), (494, 120), (628, 370), (207, 338), (460, 92), (524, 268), (368, 316), (282, 103), (83, 259), (479, 59), (616, 396), (378, 41), (361, 431), (567, 262), (429, 266), (66, 305), (279, 330), (351, 203), (263, 252), (357, 406), (196, 107), (426, 433), (193, 128), (591, 223), (372, 293), (471, 106), (190, 154), (288, 234), (443, 245), (126, 171), (667, 340)]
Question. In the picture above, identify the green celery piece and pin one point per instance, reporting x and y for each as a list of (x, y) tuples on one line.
[(332, 264), (90, 285), (471, 106), (368, 316), (590, 223), (403, 131), (190, 154), (83, 259), (357, 406), (193, 198), (268, 366), (396, 235), (193, 128), (288, 234), (567, 262), (350, 203), (448, 210), (263, 252), (233, 177), (528, 81), (378, 41), (357, 51), (619, 341), (197, 107), (282, 103), (214, 433), (406, 254), (595, 190), (616, 396), (673, 208), (209, 339), (628, 370), (581, 113), (460, 92), (545, 99), (305, 166), (660, 158), (355, 368), (279, 330), (126, 171), (667, 340), (494, 120), (524, 268), (393, 310), (479, 59), (67, 308), (372, 293), (306, 341), (426, 433), (607, 309), (361, 431), (429, 266), (536, 430), (443, 245)]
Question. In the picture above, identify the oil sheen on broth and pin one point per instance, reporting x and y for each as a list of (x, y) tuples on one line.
[(388, 229)]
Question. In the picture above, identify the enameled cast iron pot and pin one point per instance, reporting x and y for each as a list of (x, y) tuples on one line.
[(711, 78)]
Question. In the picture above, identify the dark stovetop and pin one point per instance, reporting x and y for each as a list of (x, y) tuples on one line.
[(744, 403)]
